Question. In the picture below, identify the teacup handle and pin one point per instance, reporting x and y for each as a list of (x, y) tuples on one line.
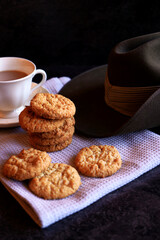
[(44, 78)]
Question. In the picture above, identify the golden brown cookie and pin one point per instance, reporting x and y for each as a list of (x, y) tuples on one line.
[(51, 148), (29, 121), (27, 164), (98, 161), (58, 181), (51, 141), (52, 106), (59, 131)]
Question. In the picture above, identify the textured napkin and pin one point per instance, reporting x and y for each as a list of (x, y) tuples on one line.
[(140, 152)]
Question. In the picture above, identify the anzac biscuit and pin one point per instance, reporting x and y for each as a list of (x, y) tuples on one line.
[(52, 141), (58, 181), (58, 132), (52, 106), (29, 121), (51, 148), (27, 164), (98, 161)]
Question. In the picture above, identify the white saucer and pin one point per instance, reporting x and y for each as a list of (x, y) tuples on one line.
[(14, 122)]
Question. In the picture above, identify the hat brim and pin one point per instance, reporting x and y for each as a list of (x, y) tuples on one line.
[(94, 118)]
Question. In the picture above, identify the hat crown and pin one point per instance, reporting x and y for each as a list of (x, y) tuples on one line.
[(135, 62)]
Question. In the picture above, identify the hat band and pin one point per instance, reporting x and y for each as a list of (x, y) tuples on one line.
[(126, 100)]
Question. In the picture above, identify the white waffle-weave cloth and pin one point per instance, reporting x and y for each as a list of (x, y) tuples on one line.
[(140, 153)]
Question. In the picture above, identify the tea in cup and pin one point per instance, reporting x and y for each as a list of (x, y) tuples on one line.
[(16, 75)]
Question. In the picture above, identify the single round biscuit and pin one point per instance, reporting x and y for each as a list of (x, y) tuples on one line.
[(58, 181), (52, 106), (51, 141), (98, 161), (29, 121), (58, 132), (27, 164), (51, 148)]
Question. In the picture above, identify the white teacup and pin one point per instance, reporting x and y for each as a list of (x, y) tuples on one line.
[(16, 76)]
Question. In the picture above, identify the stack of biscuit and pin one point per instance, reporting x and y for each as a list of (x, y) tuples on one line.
[(49, 121)]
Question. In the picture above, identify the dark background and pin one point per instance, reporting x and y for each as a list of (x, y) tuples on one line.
[(66, 37)]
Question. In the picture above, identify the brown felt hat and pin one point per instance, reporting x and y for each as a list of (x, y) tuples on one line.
[(122, 96)]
